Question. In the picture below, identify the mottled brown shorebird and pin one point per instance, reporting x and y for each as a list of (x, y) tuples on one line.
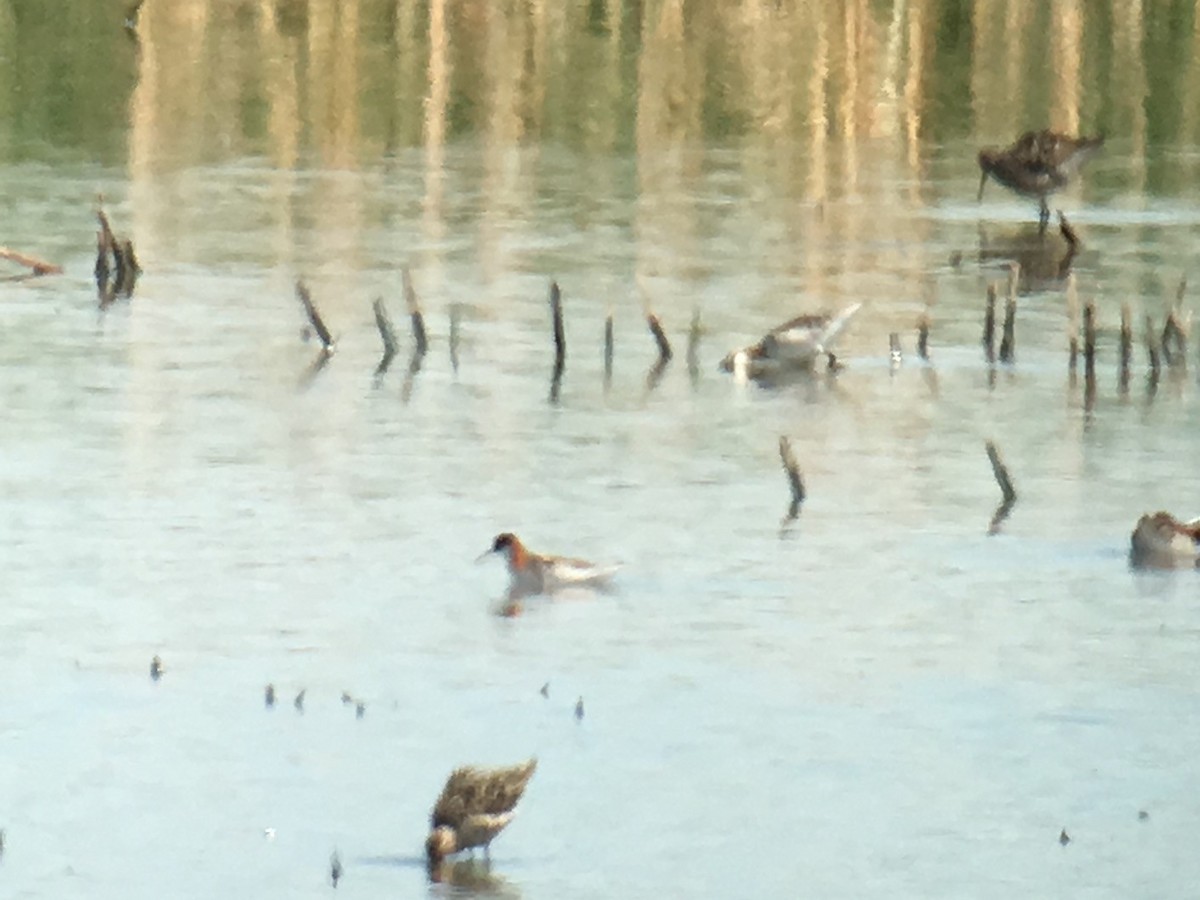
[(1037, 164), (475, 806), (1160, 540)]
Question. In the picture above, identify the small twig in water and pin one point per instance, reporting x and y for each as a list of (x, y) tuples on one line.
[(1089, 340), (1174, 341), (1001, 473), (414, 313), (455, 317), (1068, 233), (660, 337), (795, 481), (1008, 341), (1152, 348), (608, 349), (1072, 323), (1126, 346), (693, 347), (1006, 486), (989, 325), (383, 322), (560, 340), (314, 317), (128, 268)]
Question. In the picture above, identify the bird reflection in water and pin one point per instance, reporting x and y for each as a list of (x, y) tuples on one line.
[(473, 876), (1044, 258)]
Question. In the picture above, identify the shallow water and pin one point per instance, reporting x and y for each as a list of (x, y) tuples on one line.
[(877, 699)]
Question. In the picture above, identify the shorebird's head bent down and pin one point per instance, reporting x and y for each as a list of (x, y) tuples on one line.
[(440, 844)]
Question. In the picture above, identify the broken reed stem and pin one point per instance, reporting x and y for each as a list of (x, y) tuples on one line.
[(1001, 473), (693, 345), (384, 323), (1008, 341), (1174, 341), (1126, 343), (414, 313), (560, 338), (923, 336), (660, 338), (102, 268), (110, 240), (1089, 340), (792, 468), (1068, 233), (314, 317), (455, 317), (37, 266), (1174, 338), (1072, 322), (608, 347), (989, 325), (1152, 347)]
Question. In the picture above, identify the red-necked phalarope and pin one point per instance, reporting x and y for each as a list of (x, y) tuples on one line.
[(1161, 541), (474, 807), (794, 346), (1037, 164), (533, 573)]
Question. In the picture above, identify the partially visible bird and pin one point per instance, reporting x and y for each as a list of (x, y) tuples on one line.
[(131, 15), (1037, 164), (793, 347), (269, 695), (579, 710), (1064, 838), (475, 805), (299, 701), (1159, 540), (534, 573), (156, 668), (545, 691), (360, 709)]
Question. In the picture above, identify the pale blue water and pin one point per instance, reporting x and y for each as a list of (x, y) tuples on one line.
[(877, 700)]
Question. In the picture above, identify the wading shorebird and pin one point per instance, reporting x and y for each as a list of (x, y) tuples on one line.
[(1037, 164), (794, 346), (1159, 540), (474, 806), (533, 573)]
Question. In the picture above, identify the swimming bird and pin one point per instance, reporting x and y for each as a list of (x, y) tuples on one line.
[(1159, 540), (1037, 164), (475, 805), (794, 346), (156, 669), (533, 573), (269, 696)]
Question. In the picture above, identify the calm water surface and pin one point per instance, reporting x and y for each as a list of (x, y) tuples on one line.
[(879, 699)]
